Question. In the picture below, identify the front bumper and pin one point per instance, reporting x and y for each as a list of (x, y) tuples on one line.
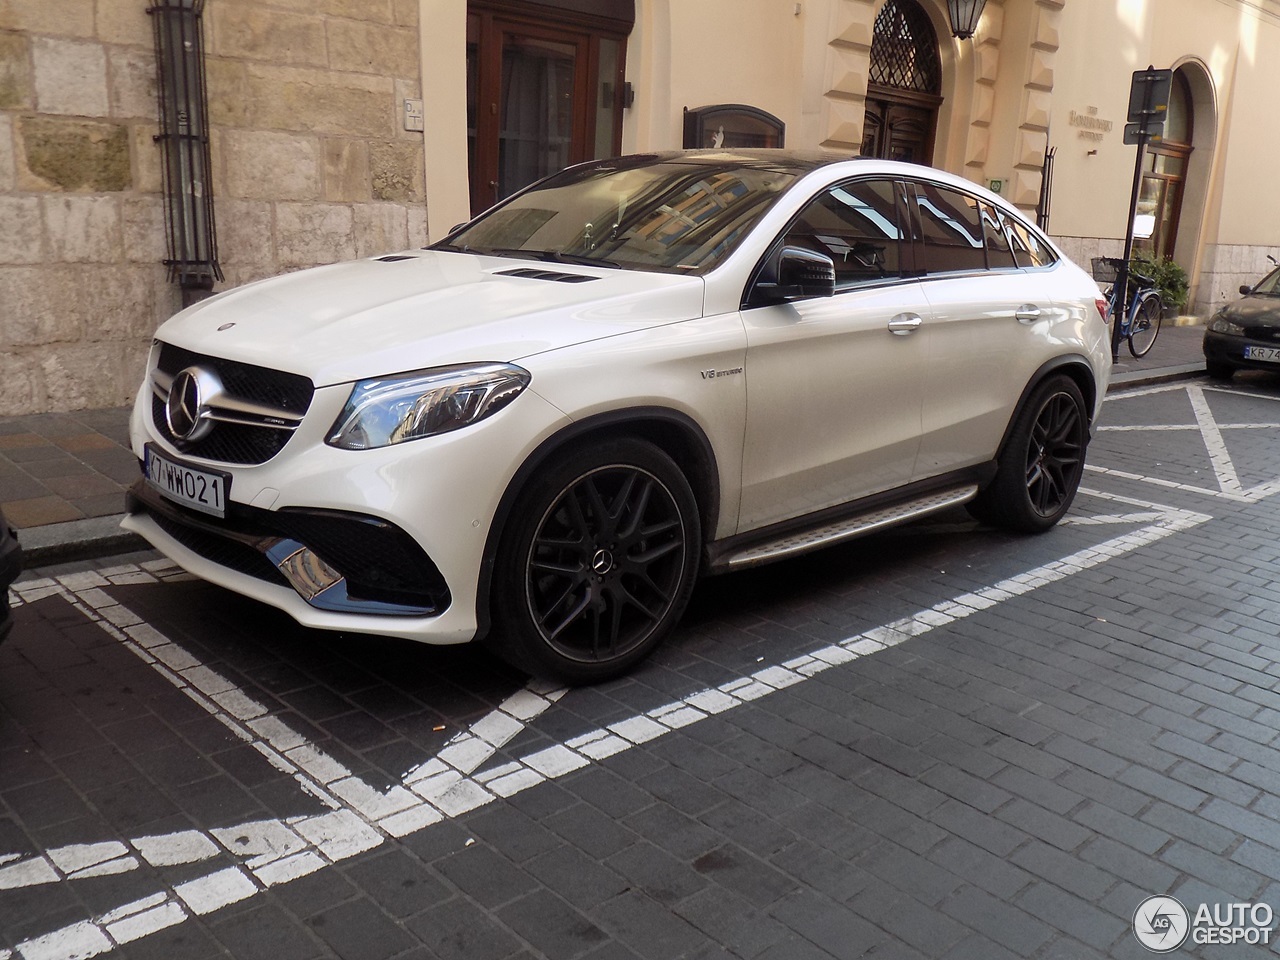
[(379, 568), (1228, 349), (439, 494)]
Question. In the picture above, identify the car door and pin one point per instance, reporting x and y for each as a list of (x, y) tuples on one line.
[(988, 326), (834, 383)]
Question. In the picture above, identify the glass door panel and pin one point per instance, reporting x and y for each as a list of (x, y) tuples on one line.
[(535, 131)]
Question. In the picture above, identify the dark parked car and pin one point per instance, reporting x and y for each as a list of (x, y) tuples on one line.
[(1245, 334), (10, 567)]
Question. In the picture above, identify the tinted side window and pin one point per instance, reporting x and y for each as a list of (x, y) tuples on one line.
[(951, 228), (999, 252), (1027, 246), (857, 226)]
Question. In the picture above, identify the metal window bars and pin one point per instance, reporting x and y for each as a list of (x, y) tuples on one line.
[(184, 141)]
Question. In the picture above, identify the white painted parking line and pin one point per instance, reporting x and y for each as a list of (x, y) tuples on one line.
[(1211, 432), (359, 817)]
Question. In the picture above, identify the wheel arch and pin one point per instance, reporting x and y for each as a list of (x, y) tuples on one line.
[(1076, 368), (671, 431)]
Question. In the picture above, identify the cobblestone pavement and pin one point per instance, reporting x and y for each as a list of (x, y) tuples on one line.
[(938, 742)]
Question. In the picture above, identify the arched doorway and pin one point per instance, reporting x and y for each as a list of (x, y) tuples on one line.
[(904, 85)]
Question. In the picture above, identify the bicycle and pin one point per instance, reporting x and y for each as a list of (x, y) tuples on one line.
[(1139, 324)]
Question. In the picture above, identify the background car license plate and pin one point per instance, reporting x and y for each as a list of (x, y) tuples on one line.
[(200, 490), (1262, 353)]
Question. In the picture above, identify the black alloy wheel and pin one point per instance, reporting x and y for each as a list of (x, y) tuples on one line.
[(600, 565), (1055, 455), (1042, 461)]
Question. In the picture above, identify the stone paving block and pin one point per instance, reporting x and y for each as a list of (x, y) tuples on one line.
[(994, 874), (1009, 926), (486, 876), (910, 873), (401, 885), (1166, 788), (909, 921), (1224, 786), (984, 831), (1196, 829), (656, 873), (459, 930), (968, 789), (977, 947), (1037, 789), (833, 929), (759, 834), (1078, 919), (1063, 870), (673, 831), (580, 879), (1093, 787), (1239, 881), (552, 927), (266, 932), (1053, 829), (647, 927)]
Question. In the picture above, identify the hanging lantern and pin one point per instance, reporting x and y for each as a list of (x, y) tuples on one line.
[(964, 17)]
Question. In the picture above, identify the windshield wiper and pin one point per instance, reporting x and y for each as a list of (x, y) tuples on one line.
[(549, 256)]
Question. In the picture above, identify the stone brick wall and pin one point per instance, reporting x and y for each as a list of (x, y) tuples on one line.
[(311, 165)]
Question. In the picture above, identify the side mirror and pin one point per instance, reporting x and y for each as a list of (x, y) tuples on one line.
[(801, 274), (1245, 289)]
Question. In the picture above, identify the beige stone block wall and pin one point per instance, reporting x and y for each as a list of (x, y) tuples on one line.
[(311, 164)]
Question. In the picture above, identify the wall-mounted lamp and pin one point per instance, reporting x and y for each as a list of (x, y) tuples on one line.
[(964, 16)]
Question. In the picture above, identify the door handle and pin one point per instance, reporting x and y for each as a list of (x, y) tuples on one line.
[(1027, 313), (905, 323)]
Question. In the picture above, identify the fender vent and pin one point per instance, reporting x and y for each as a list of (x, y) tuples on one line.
[(530, 273), (394, 257)]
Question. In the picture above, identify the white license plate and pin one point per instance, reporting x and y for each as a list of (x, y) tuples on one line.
[(1271, 354), (200, 490)]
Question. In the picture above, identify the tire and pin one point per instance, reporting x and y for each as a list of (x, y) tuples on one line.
[(1217, 370), (597, 564), (1146, 325), (1042, 461)]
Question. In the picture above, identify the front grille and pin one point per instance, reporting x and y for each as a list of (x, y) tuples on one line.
[(236, 442), (379, 560)]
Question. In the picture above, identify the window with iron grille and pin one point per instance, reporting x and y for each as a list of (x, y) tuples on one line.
[(904, 49)]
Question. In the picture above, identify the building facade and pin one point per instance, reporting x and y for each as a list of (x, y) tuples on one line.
[(348, 128)]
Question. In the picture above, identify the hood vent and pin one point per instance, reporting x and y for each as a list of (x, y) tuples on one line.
[(394, 257), (530, 273)]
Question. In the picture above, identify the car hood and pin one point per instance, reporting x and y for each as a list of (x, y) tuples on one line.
[(425, 308), (1254, 311)]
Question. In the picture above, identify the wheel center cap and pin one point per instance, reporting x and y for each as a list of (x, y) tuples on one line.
[(602, 562)]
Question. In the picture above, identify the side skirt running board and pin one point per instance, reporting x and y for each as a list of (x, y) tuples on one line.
[(795, 542)]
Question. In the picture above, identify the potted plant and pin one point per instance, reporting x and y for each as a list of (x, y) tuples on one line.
[(1170, 279)]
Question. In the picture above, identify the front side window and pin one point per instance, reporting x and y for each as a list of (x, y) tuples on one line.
[(857, 225)]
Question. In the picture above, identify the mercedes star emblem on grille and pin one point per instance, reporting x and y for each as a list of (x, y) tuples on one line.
[(186, 411)]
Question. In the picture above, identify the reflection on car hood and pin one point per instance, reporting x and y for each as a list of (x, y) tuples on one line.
[(1254, 311), (368, 318)]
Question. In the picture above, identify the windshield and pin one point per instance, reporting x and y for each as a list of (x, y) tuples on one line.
[(1268, 286), (682, 215)]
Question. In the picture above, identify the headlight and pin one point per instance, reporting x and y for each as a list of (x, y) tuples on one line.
[(424, 403), (1223, 325)]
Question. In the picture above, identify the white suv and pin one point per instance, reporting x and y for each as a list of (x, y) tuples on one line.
[(543, 429)]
